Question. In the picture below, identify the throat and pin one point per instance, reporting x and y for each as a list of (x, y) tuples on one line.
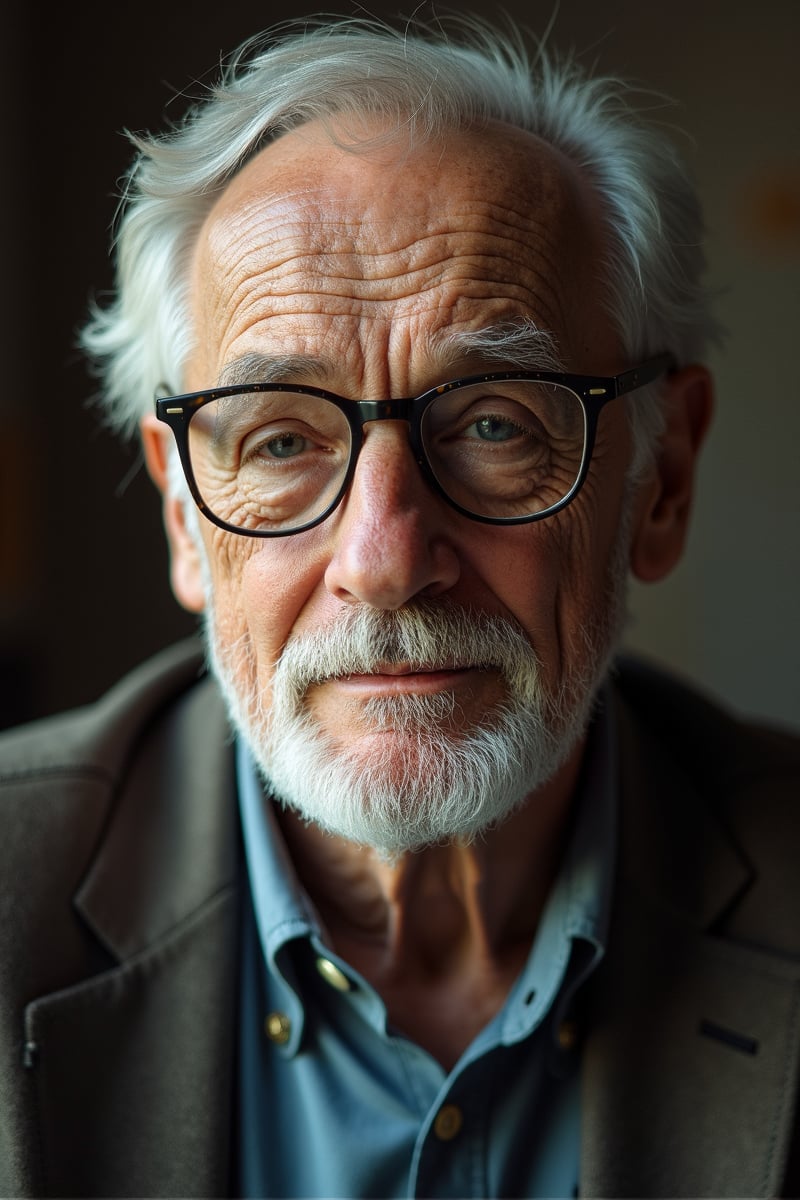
[(440, 1002), (441, 933)]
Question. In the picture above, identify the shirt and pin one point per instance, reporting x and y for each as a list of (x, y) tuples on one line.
[(335, 1103)]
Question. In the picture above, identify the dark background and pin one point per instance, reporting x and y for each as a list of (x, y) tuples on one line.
[(84, 589)]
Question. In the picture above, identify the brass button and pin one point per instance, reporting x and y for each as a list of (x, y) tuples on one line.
[(567, 1035), (332, 975), (449, 1120), (278, 1027)]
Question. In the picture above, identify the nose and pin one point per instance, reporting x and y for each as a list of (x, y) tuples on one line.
[(390, 533)]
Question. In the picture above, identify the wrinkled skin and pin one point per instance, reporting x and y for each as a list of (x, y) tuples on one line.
[(361, 264)]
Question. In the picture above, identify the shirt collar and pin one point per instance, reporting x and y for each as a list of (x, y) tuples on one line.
[(283, 910), (577, 908), (572, 931)]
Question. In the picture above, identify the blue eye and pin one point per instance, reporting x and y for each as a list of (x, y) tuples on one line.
[(495, 429), (287, 445)]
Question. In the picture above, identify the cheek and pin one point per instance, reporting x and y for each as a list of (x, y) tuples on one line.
[(594, 583), (260, 588), (553, 579)]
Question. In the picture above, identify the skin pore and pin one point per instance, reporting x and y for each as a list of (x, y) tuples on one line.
[(359, 267)]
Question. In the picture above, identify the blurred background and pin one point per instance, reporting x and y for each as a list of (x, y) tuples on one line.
[(84, 591)]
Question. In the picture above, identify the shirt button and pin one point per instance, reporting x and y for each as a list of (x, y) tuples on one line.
[(567, 1035), (332, 975), (449, 1120), (278, 1027)]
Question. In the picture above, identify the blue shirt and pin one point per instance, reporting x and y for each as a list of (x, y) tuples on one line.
[(334, 1103)]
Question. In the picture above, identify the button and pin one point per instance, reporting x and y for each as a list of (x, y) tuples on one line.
[(567, 1035), (278, 1027), (332, 975), (449, 1120)]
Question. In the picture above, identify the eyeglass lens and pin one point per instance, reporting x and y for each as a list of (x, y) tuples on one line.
[(275, 461)]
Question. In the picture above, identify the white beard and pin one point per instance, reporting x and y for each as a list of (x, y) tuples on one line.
[(431, 779)]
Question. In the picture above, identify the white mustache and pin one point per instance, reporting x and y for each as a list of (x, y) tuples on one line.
[(426, 635)]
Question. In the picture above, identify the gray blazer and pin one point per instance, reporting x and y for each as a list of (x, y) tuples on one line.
[(121, 875)]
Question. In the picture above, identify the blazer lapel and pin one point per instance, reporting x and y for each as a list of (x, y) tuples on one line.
[(134, 1067), (694, 1039)]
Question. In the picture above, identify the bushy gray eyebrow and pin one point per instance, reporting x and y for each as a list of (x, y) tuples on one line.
[(272, 368), (510, 344), (517, 343)]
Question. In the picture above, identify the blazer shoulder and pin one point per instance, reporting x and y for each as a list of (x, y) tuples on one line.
[(710, 739), (93, 740), (99, 777), (745, 774)]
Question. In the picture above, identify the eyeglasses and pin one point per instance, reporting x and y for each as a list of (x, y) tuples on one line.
[(505, 448)]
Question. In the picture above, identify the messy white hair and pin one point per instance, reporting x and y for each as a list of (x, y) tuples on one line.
[(424, 81)]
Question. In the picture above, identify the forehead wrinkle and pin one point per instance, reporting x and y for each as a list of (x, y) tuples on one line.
[(523, 246), (226, 262), (513, 342), (311, 292), (313, 251), (324, 272)]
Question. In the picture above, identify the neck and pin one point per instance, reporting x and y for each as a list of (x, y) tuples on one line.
[(441, 932)]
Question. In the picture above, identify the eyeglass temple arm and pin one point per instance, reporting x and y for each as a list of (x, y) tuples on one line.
[(645, 373)]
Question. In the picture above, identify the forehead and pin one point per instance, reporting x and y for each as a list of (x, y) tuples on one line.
[(324, 238)]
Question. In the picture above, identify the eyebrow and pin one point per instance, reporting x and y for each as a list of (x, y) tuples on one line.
[(508, 344), (269, 368), (514, 343)]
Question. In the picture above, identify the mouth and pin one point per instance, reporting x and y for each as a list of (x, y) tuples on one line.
[(400, 678)]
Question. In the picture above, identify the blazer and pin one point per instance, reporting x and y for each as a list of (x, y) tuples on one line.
[(121, 874)]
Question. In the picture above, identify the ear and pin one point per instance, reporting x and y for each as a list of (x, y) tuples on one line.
[(185, 559), (664, 500)]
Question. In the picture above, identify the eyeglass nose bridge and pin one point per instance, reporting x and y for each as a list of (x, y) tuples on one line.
[(406, 408)]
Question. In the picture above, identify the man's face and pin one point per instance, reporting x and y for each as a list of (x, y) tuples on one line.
[(354, 269)]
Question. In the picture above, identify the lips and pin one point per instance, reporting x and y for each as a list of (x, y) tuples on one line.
[(400, 677)]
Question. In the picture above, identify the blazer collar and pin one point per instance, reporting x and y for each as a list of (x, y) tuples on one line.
[(693, 1044), (172, 841), (673, 846), (139, 1060)]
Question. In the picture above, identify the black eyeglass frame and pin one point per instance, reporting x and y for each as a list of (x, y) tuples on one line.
[(593, 391)]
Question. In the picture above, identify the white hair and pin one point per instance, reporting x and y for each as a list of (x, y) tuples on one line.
[(424, 81)]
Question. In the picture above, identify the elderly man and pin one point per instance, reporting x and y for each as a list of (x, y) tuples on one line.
[(415, 891)]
